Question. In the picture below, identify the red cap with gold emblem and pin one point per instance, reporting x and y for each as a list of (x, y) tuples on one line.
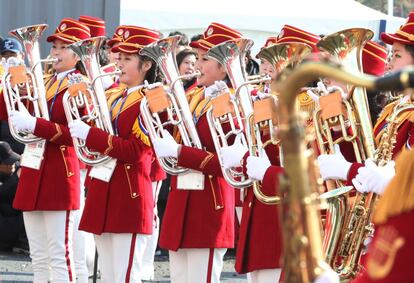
[(118, 35), (293, 34), (215, 34), (70, 31), (374, 58), (135, 38), (95, 25), (404, 35)]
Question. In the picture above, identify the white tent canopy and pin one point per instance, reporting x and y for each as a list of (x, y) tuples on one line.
[(255, 19)]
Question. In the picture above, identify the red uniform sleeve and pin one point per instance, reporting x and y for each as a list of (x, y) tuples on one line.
[(270, 183), (53, 132), (3, 109), (200, 160), (127, 150)]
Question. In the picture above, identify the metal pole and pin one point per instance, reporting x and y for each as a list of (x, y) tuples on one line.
[(390, 7)]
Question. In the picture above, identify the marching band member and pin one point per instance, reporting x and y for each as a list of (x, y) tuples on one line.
[(390, 252), (48, 207), (259, 248), (119, 206), (198, 224), (81, 239), (335, 165)]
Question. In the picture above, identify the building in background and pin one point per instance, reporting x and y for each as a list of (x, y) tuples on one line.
[(19, 13)]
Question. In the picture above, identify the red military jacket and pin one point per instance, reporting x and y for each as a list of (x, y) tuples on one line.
[(260, 238), (125, 203), (202, 218), (55, 186), (405, 134)]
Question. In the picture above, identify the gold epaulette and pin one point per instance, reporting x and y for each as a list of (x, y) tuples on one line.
[(399, 195), (114, 93), (306, 103)]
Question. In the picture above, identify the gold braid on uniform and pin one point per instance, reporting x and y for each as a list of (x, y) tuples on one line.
[(140, 132), (58, 133), (398, 197), (206, 160), (110, 146)]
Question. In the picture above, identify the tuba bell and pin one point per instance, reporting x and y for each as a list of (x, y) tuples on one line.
[(88, 101), (173, 102), (31, 81), (349, 224)]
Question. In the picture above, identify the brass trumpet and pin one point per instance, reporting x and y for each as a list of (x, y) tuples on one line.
[(30, 80)]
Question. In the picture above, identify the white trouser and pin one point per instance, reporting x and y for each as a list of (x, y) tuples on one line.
[(264, 276), (196, 265), (149, 251), (239, 211), (50, 241), (120, 256), (80, 238)]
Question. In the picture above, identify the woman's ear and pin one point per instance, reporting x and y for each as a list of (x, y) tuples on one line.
[(146, 65)]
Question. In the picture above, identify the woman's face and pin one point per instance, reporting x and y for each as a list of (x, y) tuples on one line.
[(133, 70), (267, 69), (210, 69), (400, 58), (187, 66), (66, 58)]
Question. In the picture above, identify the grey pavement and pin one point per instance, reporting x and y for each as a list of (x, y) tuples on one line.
[(17, 268)]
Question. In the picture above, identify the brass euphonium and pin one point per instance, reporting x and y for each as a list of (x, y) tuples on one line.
[(90, 99), (348, 225), (30, 80), (303, 253), (231, 55), (173, 101), (279, 56)]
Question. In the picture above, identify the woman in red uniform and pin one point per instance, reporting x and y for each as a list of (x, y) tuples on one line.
[(259, 247), (48, 190), (198, 224), (119, 206)]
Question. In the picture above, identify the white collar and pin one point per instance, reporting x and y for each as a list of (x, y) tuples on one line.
[(61, 75), (134, 88)]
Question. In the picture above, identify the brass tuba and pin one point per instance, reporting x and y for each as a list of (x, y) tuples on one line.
[(173, 102), (303, 254), (29, 80), (90, 98), (348, 225)]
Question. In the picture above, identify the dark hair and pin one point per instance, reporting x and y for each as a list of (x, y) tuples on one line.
[(79, 66), (153, 74), (103, 54), (184, 37), (182, 54), (196, 37), (410, 49)]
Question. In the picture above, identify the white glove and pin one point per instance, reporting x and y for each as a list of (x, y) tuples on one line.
[(333, 166), (257, 167), (215, 89), (232, 155), (166, 146), (372, 178), (79, 129), (322, 90), (22, 120), (328, 276)]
